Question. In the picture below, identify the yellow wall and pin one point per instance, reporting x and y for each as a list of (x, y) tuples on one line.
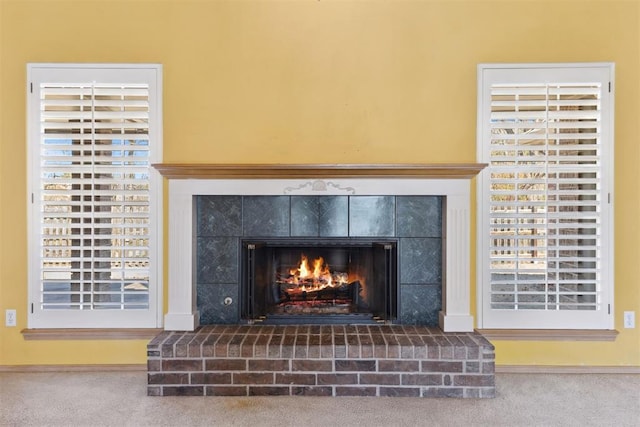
[(317, 81)]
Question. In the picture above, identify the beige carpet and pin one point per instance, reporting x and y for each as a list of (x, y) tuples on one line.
[(118, 399)]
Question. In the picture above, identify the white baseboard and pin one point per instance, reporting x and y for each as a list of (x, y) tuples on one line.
[(559, 369), (74, 368)]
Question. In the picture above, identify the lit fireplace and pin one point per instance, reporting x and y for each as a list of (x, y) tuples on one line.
[(187, 182), (386, 243), (319, 281)]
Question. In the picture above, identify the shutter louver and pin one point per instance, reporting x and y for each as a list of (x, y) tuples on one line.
[(545, 197), (94, 196)]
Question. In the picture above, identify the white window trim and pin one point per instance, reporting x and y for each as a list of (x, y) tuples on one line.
[(151, 318), (564, 319)]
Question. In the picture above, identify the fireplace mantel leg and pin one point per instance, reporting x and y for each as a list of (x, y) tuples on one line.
[(455, 316), (183, 314)]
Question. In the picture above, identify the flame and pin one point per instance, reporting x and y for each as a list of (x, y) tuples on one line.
[(318, 277), (314, 282)]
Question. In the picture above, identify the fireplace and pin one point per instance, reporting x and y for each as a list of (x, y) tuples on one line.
[(318, 281), (298, 245), (451, 182)]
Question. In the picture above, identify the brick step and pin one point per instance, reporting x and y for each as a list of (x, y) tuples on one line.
[(321, 360)]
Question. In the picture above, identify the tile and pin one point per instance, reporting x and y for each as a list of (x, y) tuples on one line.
[(371, 216), (333, 219), (323, 216), (419, 216), (304, 216), (217, 260), (219, 215), (420, 304), (266, 216), (420, 260), (210, 303)]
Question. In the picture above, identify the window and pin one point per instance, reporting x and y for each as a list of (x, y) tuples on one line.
[(545, 217), (94, 199)]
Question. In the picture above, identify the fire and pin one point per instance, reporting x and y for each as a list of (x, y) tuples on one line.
[(317, 277), (313, 286)]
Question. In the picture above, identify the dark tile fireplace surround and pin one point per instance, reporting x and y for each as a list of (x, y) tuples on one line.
[(414, 222), (223, 354)]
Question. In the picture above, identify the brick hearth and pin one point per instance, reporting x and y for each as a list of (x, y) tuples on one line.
[(321, 360)]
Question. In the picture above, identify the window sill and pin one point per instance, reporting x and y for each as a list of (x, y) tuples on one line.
[(90, 334), (549, 334)]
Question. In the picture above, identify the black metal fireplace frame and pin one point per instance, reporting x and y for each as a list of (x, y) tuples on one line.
[(387, 248)]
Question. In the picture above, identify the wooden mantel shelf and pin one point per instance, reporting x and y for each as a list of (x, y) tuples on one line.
[(292, 171)]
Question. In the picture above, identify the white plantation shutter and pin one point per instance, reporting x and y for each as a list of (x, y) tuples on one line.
[(94, 134), (546, 134)]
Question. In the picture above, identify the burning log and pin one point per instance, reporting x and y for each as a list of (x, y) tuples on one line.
[(308, 290)]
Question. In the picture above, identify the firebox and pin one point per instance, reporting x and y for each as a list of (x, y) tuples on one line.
[(310, 281)]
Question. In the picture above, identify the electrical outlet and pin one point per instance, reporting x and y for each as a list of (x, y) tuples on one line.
[(10, 318), (629, 319)]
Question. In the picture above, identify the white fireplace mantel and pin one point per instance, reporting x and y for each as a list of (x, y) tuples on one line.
[(451, 181)]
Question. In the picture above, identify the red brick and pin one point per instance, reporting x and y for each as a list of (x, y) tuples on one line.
[(260, 347), (252, 378), (207, 378), (393, 351), (268, 365), (443, 392), (472, 367), (340, 351), (332, 379), (269, 391), (326, 351), (355, 391), (313, 352), (441, 366), (154, 365), (460, 353), (226, 391), (311, 391), (274, 347), (380, 379), (474, 380), (446, 352), (183, 391), (488, 367), (312, 365), (433, 352), (246, 349), (296, 379), (355, 365), (400, 391), (168, 379), (182, 365), (398, 366), (225, 365), (421, 379)]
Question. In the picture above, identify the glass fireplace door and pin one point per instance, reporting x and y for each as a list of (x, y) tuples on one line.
[(325, 281)]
